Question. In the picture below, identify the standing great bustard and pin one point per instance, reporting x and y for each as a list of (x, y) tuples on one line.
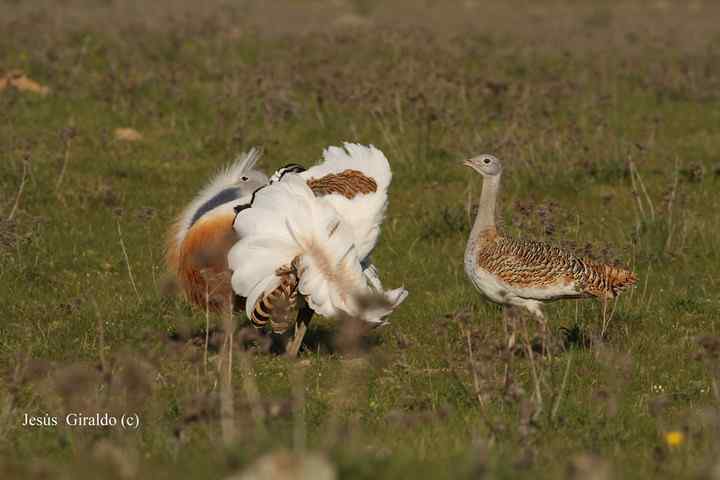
[(305, 243), (198, 242), (526, 273)]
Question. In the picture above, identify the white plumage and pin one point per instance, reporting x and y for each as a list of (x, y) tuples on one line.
[(285, 221), (364, 213), (307, 232)]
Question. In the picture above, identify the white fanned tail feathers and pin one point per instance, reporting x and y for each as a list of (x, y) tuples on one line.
[(286, 221), (364, 212)]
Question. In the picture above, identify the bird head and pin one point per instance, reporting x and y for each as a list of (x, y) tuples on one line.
[(486, 165), (250, 181)]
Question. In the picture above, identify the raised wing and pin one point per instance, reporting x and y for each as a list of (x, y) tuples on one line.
[(354, 179)]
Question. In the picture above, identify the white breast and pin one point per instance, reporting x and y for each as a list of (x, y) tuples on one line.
[(492, 287)]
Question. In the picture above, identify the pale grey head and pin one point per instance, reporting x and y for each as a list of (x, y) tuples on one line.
[(243, 185), (486, 165), (250, 181)]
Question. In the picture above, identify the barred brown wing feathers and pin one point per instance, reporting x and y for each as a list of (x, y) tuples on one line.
[(551, 264), (524, 263), (278, 307), (348, 183), (531, 264)]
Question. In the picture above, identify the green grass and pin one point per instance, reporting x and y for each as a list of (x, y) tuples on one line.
[(576, 125)]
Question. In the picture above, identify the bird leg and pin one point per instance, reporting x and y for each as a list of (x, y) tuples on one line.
[(606, 318), (304, 316), (509, 325), (533, 369), (510, 328), (535, 309)]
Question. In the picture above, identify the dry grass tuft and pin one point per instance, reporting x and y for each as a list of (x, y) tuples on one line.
[(19, 80), (127, 135)]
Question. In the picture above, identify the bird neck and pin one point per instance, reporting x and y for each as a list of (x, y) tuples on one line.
[(485, 221)]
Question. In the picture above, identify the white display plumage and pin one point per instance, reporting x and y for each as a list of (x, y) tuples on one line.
[(331, 235), (363, 213), (285, 221)]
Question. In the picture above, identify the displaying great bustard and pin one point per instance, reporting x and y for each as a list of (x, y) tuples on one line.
[(348, 189), (306, 239), (526, 273)]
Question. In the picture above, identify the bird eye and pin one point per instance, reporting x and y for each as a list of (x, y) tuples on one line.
[(244, 179), (486, 161)]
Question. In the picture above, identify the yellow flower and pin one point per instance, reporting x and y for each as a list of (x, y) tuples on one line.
[(674, 438)]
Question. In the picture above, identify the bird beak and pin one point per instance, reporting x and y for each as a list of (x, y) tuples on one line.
[(468, 163)]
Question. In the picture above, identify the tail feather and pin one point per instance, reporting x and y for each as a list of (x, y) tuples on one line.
[(256, 292), (605, 281), (251, 266), (303, 226), (279, 304), (620, 279), (392, 298)]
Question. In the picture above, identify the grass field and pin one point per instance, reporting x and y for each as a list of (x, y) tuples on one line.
[(606, 115)]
